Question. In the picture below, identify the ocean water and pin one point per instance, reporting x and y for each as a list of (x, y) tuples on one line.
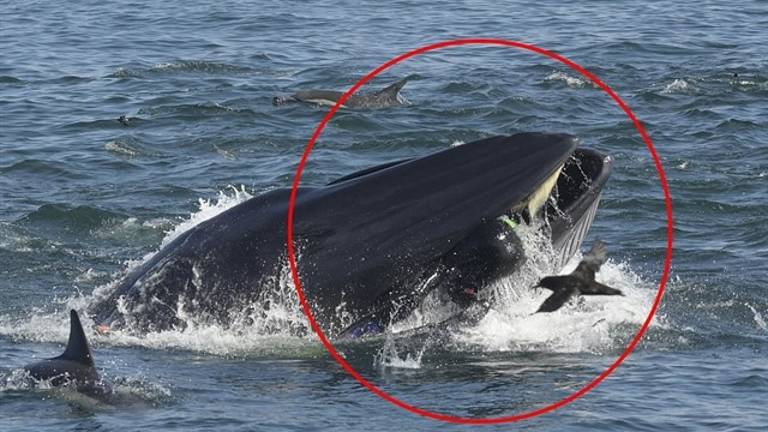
[(83, 198)]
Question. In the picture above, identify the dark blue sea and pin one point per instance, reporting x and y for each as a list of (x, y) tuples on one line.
[(84, 198)]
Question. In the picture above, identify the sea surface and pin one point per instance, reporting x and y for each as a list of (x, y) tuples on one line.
[(84, 197)]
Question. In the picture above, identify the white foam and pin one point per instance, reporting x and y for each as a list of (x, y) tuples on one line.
[(88, 276), (569, 80), (208, 208), (15, 380), (390, 357), (270, 326), (758, 317), (587, 324), (123, 148), (124, 391), (268, 329), (581, 326), (679, 86)]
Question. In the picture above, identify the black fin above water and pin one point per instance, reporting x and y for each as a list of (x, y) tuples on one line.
[(74, 368), (560, 296), (77, 345), (394, 88)]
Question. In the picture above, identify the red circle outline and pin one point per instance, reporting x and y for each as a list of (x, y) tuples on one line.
[(447, 417)]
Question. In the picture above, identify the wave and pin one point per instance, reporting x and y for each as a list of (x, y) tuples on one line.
[(196, 110), (714, 84), (182, 67), (129, 147), (734, 124), (570, 81), (97, 124), (69, 218), (7, 79), (40, 168), (680, 86), (126, 391)]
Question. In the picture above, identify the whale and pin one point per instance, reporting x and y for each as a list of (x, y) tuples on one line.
[(386, 97), (373, 244), (74, 368)]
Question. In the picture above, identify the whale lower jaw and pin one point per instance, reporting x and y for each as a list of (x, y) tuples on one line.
[(579, 206)]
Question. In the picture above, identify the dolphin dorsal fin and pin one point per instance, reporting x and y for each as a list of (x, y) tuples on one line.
[(393, 89), (77, 345)]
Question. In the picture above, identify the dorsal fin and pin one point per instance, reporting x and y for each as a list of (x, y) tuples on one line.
[(77, 345), (393, 89)]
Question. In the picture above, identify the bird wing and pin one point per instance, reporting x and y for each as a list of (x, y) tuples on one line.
[(555, 283), (558, 299), (596, 288), (591, 262)]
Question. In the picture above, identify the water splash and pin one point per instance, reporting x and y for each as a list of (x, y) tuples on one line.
[(267, 327), (123, 391), (123, 147), (392, 357), (586, 324), (589, 324), (274, 325), (679, 86), (183, 67), (569, 80), (758, 317)]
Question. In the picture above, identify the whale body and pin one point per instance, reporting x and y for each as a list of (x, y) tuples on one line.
[(373, 243)]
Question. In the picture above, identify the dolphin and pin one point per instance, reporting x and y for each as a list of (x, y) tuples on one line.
[(580, 282), (371, 245), (387, 97), (74, 368)]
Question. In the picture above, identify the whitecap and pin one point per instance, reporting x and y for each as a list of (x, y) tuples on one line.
[(679, 86), (570, 81), (122, 148), (758, 317)]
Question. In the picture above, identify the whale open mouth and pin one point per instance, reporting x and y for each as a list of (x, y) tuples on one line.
[(566, 200), (573, 202)]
